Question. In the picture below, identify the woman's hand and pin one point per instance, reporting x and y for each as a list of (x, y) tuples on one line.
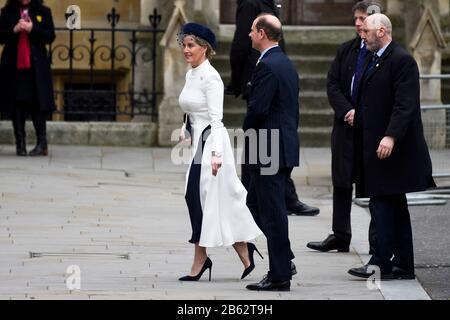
[(216, 163), (17, 27), (26, 25)]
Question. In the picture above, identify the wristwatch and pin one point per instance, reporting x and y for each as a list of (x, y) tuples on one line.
[(217, 154)]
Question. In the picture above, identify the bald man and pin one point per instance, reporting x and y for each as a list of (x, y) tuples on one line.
[(342, 87), (273, 115), (243, 60), (392, 157)]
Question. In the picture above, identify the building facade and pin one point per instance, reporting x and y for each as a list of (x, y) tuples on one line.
[(95, 83)]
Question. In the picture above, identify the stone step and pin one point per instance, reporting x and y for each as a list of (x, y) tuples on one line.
[(319, 137), (312, 49), (313, 100), (127, 134), (308, 100), (320, 118), (304, 40), (234, 117), (312, 65), (308, 82), (313, 82), (303, 64), (304, 49)]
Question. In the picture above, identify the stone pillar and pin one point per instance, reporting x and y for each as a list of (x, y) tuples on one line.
[(175, 68), (426, 45)]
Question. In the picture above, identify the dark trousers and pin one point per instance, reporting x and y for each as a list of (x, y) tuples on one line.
[(266, 202), (192, 196), (38, 118), (342, 206), (394, 234), (290, 194)]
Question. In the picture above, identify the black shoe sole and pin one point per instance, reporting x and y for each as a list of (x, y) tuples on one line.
[(386, 277), (304, 214), (340, 250), (404, 277), (272, 290)]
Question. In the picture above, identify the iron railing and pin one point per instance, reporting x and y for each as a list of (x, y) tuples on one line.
[(437, 131), (99, 67)]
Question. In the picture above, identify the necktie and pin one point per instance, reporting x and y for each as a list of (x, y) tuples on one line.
[(359, 72), (372, 63)]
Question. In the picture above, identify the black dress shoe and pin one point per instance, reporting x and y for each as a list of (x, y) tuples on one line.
[(330, 243), (293, 269), (41, 149), (266, 285), (402, 274), (21, 149), (368, 270), (302, 209)]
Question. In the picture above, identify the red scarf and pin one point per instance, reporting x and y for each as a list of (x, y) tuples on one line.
[(23, 49)]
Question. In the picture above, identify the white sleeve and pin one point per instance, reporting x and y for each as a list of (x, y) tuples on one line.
[(214, 99), (185, 119)]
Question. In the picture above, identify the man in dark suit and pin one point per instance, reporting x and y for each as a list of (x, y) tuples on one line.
[(343, 83), (243, 59), (273, 115), (392, 157)]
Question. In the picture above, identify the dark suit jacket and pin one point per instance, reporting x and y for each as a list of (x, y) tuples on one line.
[(274, 104), (339, 95), (389, 103), (243, 57), (43, 33)]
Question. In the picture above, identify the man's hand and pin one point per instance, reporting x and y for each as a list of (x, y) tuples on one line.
[(385, 149), (350, 117), (216, 163)]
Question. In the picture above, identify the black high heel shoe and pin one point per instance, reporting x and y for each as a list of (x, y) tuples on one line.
[(251, 250), (207, 265)]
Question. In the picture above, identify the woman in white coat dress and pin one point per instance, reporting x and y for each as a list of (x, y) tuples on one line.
[(215, 196)]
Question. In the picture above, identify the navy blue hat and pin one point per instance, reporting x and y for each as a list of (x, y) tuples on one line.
[(200, 31)]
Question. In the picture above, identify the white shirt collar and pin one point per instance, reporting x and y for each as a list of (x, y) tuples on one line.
[(382, 50), (265, 51)]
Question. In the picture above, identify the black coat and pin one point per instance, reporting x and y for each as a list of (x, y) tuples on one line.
[(273, 105), (390, 106), (243, 57), (43, 33), (339, 95)]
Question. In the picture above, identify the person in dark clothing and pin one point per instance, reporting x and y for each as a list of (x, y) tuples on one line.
[(392, 156), (343, 81), (243, 59), (26, 27), (273, 108)]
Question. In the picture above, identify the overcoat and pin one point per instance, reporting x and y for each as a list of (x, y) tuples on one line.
[(42, 34), (339, 83), (389, 105)]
